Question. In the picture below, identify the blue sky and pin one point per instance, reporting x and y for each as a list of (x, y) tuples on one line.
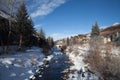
[(62, 18)]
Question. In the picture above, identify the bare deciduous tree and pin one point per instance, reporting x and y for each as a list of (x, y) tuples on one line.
[(102, 60)]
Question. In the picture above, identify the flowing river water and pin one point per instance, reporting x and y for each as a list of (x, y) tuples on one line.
[(53, 70)]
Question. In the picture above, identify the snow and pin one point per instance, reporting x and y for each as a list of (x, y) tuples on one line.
[(22, 65), (48, 58), (76, 56), (77, 59), (17, 65), (115, 51), (7, 61), (116, 24), (13, 74)]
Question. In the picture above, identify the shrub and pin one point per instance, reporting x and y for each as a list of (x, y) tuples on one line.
[(102, 61)]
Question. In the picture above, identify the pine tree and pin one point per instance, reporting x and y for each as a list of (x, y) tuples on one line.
[(41, 34), (29, 32), (95, 30), (4, 31), (67, 41), (25, 26), (41, 37), (50, 41)]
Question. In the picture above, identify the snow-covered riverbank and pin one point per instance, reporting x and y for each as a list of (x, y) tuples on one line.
[(22, 65), (76, 55)]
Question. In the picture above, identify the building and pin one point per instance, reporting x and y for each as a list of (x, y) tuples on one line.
[(111, 34)]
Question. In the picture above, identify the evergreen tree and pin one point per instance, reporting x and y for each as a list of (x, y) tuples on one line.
[(29, 33), (24, 25), (95, 30), (50, 41), (41, 34), (41, 37), (67, 41), (44, 43), (4, 31)]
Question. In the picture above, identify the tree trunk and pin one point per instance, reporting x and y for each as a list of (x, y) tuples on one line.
[(20, 41), (4, 47)]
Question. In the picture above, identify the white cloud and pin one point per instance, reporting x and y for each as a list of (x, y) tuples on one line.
[(45, 7), (57, 36), (38, 26)]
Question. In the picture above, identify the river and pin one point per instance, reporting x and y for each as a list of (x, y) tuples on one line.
[(53, 70)]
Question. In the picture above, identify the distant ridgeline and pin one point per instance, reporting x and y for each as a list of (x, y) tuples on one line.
[(109, 34)]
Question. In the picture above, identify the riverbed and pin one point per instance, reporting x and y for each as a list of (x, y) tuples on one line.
[(54, 69)]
